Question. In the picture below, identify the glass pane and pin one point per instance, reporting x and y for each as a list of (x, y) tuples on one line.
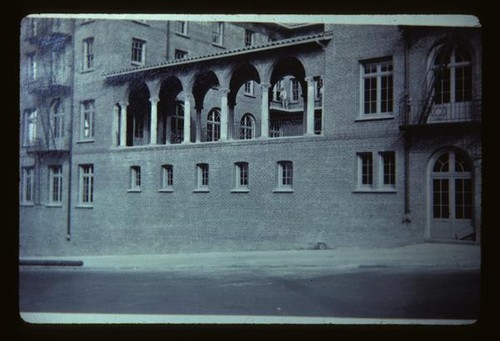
[(463, 198), (441, 164)]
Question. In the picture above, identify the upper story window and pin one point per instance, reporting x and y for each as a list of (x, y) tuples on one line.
[(55, 184), (247, 127), (294, 90), (249, 38), (58, 66), (202, 176), (249, 89), (138, 51), (32, 67), (241, 175), (452, 75), (57, 119), (213, 125), (87, 120), (180, 54), (318, 88), (33, 28), (167, 176), (285, 174), (365, 170), (218, 33), (177, 123), (377, 83), (135, 178), (277, 89), (181, 27), (30, 123), (88, 54)]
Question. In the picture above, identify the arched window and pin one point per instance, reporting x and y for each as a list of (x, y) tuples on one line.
[(57, 119), (213, 125), (178, 123), (452, 75), (247, 127)]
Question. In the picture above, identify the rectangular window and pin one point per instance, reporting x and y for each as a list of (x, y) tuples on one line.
[(181, 27), (27, 185), (87, 120), (167, 176), (365, 164), (32, 67), (441, 198), (249, 37), (55, 184), (30, 123), (180, 54), (278, 87), (218, 33), (318, 88), (285, 174), (249, 88), (88, 54), (294, 90), (202, 175), (86, 184), (135, 178), (377, 93), (241, 175), (138, 51), (388, 163)]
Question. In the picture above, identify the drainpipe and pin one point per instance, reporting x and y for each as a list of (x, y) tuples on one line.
[(168, 40), (407, 134), (70, 142)]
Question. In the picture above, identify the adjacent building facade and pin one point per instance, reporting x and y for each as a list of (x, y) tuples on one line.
[(183, 136)]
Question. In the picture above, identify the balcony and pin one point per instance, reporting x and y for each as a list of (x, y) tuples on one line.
[(417, 114), (55, 145), (50, 85), (51, 33)]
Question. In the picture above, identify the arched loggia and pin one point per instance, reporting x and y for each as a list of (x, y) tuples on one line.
[(170, 112), (138, 114)]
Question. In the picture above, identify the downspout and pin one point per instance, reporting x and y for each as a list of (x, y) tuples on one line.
[(70, 141), (407, 134), (168, 40)]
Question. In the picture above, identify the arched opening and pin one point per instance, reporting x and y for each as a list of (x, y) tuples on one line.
[(451, 204), (138, 115), (170, 112), (213, 125), (204, 82), (287, 98), (247, 127)]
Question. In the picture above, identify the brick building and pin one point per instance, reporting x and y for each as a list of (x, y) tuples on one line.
[(149, 136)]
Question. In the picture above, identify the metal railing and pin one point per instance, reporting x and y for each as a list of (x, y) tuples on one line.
[(40, 145), (412, 112), (284, 127)]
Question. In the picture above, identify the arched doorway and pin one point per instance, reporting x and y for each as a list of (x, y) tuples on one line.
[(451, 204)]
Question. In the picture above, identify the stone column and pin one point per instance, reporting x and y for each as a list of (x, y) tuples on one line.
[(224, 111), (264, 125), (154, 120), (198, 125), (310, 106), (187, 118), (123, 123)]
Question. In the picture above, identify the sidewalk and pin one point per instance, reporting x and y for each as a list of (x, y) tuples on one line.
[(434, 255)]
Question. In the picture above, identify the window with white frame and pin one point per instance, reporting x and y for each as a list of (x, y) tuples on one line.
[(181, 27), (177, 122), (86, 184), (247, 127), (377, 84), (180, 54), (27, 185), (285, 174), (32, 67), (318, 88), (30, 123), (138, 51), (249, 89), (57, 119), (249, 37), (294, 90), (33, 27), (87, 120), (55, 184), (241, 175), (218, 33), (365, 170), (278, 87), (388, 169), (135, 178), (213, 125), (167, 176), (88, 54), (202, 175)]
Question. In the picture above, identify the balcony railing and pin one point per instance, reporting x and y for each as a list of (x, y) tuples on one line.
[(417, 113), (40, 145), (50, 84), (284, 127), (51, 33)]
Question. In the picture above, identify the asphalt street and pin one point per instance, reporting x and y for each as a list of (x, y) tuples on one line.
[(359, 293)]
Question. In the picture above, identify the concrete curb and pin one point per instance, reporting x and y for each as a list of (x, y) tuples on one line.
[(50, 262)]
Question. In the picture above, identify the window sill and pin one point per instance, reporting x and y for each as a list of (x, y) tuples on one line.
[(84, 206), (374, 117), (249, 95), (166, 190), (137, 63), (283, 190), (375, 190), (87, 21), (180, 34), (240, 190), (54, 205), (27, 204), (134, 190), (140, 22), (219, 45), (85, 141), (87, 70), (201, 190)]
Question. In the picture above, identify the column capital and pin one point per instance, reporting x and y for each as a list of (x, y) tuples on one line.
[(123, 104), (309, 79), (265, 86), (154, 99), (224, 91)]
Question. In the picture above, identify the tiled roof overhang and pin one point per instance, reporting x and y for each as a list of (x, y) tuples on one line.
[(321, 37)]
